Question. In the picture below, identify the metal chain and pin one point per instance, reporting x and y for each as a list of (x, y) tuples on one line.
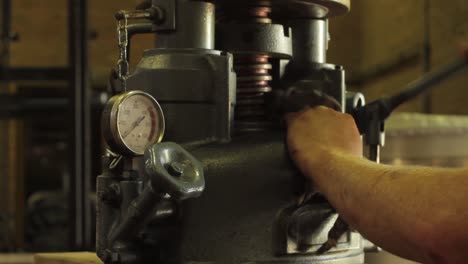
[(123, 64), (115, 162), (116, 158)]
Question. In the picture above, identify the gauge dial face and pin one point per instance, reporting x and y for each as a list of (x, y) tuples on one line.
[(137, 122)]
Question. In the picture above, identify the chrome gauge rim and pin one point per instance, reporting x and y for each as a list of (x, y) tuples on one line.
[(111, 129)]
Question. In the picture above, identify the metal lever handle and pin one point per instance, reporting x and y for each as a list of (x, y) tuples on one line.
[(174, 170)]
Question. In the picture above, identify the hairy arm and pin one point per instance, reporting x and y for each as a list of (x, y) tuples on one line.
[(417, 213)]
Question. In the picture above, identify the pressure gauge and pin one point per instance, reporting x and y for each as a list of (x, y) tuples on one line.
[(132, 122)]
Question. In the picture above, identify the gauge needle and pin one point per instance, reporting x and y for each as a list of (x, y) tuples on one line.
[(134, 125)]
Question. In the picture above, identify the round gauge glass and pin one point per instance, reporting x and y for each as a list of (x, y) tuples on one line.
[(139, 122)]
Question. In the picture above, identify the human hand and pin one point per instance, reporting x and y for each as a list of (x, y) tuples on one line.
[(316, 130), (314, 133)]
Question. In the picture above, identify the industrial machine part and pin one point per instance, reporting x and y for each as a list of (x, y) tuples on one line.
[(132, 122), (223, 100)]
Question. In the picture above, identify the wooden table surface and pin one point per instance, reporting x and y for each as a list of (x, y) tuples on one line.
[(51, 258), (16, 258), (67, 258)]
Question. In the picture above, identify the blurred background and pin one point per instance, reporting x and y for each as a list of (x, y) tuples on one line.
[(49, 127)]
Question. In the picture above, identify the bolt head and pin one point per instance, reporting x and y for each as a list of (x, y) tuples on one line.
[(175, 169)]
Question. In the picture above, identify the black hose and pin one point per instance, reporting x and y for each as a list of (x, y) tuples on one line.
[(381, 109)]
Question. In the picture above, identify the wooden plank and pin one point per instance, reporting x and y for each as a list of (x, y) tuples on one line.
[(67, 258), (43, 30), (16, 259)]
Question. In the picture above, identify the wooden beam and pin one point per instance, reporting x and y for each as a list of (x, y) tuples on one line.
[(67, 258)]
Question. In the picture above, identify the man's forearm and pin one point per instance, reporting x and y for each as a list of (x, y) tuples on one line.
[(417, 213)]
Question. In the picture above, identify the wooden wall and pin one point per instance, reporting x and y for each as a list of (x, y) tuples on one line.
[(380, 32), (43, 30)]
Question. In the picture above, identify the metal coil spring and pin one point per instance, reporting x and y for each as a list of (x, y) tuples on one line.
[(253, 70), (253, 82)]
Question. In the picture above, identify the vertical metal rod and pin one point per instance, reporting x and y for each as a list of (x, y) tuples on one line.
[(374, 153), (80, 107), (427, 54)]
